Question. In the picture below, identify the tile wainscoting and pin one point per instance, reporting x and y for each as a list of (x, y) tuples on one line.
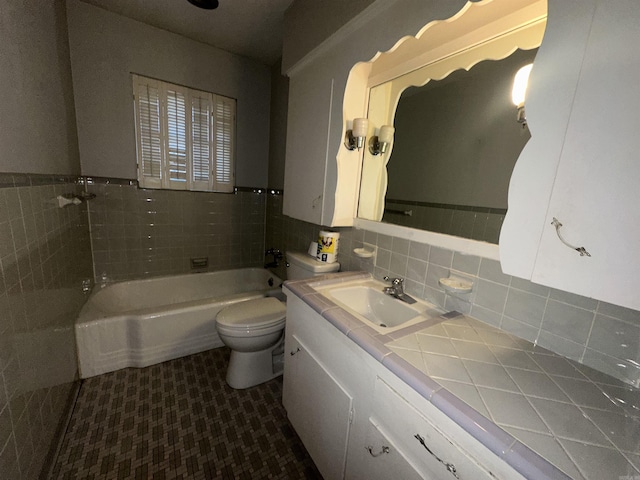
[(137, 232), (44, 257)]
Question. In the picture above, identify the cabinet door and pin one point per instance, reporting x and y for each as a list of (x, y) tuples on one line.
[(309, 111), (580, 165), (319, 409), (596, 193)]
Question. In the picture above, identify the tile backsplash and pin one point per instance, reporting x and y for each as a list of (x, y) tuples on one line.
[(603, 336), (137, 232), (44, 257), (600, 335)]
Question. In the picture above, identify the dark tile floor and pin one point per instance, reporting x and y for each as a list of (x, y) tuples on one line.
[(180, 420)]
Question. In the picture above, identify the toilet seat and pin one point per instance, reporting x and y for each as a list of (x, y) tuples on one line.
[(253, 317)]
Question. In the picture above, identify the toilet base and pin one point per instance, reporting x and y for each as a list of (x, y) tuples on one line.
[(248, 369)]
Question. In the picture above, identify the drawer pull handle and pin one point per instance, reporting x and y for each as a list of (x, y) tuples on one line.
[(581, 250), (450, 466), (384, 450), (293, 352)]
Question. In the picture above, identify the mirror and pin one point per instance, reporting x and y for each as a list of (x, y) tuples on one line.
[(456, 143), (457, 137)]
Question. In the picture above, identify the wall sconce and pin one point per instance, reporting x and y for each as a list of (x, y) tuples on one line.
[(519, 91), (378, 144), (354, 138)]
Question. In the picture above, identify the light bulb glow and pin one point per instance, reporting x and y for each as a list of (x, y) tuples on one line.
[(520, 82)]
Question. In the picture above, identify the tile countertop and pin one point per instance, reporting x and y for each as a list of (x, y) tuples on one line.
[(546, 416)]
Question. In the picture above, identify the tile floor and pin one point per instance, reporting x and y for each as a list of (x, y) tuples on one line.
[(180, 420)]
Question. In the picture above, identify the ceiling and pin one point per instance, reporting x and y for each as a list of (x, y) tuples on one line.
[(251, 28)]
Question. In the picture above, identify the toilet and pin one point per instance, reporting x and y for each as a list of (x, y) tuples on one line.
[(254, 329)]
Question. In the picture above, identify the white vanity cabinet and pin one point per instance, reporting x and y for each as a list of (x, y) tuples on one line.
[(320, 408), (322, 391), (581, 164), (360, 421)]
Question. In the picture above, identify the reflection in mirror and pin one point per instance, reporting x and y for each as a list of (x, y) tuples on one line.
[(456, 143)]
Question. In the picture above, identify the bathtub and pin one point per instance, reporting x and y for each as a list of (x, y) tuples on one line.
[(143, 322)]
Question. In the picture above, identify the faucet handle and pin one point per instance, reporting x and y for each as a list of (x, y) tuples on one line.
[(394, 281)]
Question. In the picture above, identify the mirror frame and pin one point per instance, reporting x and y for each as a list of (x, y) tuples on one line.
[(486, 30)]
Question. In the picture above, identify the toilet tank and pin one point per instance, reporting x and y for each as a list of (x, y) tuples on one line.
[(302, 265)]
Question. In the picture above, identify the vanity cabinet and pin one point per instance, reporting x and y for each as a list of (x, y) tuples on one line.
[(360, 421), (581, 164), (320, 408)]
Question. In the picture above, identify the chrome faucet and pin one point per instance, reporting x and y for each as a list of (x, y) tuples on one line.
[(396, 290), (277, 255)]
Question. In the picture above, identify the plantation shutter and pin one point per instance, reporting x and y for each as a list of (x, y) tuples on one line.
[(176, 138), (148, 132), (224, 140), (185, 138), (201, 140)]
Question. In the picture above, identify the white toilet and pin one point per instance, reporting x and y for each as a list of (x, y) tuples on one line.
[(254, 330)]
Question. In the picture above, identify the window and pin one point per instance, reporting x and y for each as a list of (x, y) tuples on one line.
[(185, 138)]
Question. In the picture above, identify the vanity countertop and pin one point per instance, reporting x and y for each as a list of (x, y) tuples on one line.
[(546, 416)]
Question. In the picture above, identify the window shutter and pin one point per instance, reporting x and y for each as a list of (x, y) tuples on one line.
[(224, 139), (148, 131), (185, 138), (176, 138), (201, 139)]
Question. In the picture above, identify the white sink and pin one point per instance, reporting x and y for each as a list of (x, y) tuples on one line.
[(366, 301)]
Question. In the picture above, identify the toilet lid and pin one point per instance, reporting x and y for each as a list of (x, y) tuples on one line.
[(261, 312)]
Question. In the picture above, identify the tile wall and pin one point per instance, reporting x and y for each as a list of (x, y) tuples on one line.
[(478, 223), (600, 335), (44, 257), (137, 233)]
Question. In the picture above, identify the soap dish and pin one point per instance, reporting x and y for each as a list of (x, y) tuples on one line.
[(456, 285), (367, 251), (363, 253)]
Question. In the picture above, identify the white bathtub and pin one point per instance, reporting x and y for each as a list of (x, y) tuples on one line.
[(142, 322)]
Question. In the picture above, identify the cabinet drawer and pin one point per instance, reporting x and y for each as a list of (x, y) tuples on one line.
[(421, 442), (385, 460)]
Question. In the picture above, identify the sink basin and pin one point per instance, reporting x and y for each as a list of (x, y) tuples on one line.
[(380, 311)]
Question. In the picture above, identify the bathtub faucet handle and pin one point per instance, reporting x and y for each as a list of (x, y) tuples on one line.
[(277, 255), (86, 286)]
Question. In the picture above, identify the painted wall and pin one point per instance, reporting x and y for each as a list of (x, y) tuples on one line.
[(303, 30), (106, 48), (38, 131), (278, 127)]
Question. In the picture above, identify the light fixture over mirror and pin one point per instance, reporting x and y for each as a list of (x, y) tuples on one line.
[(355, 137), (519, 91), (379, 143)]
